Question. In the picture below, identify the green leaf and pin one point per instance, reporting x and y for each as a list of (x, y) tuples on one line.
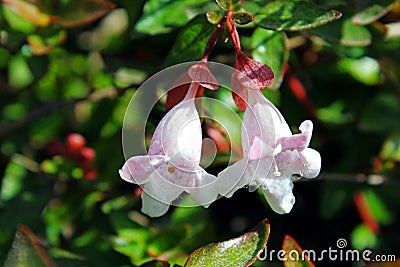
[(19, 73), (242, 18), (191, 41), (391, 147), (240, 251), (168, 239), (161, 16), (344, 32), (27, 251), (224, 4), (271, 48), (29, 10), (288, 15), (372, 12), (213, 17), (12, 181), (377, 207), (290, 245), (83, 12), (365, 70), (362, 237)]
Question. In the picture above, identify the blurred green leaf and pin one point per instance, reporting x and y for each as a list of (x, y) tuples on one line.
[(82, 12), (41, 46), (343, 31), (30, 10), (365, 69), (383, 108), (191, 41), (271, 48), (161, 16), (288, 15), (362, 237), (4, 57), (391, 147), (240, 251), (377, 207), (12, 181), (335, 113), (372, 12), (19, 73), (289, 245), (168, 239)]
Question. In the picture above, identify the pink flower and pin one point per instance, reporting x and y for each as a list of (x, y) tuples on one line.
[(172, 164), (272, 154)]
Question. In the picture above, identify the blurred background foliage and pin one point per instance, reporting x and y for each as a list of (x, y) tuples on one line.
[(69, 68)]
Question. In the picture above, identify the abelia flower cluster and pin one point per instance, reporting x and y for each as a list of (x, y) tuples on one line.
[(272, 154)]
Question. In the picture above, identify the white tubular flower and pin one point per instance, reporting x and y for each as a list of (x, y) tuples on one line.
[(172, 164), (272, 154)]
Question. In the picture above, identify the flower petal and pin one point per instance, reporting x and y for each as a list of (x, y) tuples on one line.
[(179, 133), (152, 206), (278, 192), (139, 168), (232, 178), (298, 141), (312, 163), (204, 192)]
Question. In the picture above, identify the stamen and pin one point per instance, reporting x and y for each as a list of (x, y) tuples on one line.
[(276, 173)]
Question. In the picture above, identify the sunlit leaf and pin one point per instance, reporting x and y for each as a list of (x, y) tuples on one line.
[(161, 16), (294, 254), (30, 10), (83, 12), (271, 48), (191, 41), (372, 12), (240, 251), (12, 181), (365, 69), (288, 15), (168, 239)]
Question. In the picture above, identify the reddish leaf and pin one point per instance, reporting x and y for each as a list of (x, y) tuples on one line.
[(289, 245), (179, 90), (249, 74), (202, 75), (82, 12), (254, 74), (30, 10)]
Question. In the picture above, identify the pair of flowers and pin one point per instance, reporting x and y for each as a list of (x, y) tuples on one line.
[(271, 153)]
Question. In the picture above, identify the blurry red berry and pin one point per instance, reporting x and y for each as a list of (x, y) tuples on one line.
[(56, 147), (75, 142), (90, 173), (86, 155)]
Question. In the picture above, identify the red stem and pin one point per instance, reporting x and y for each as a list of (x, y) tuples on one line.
[(213, 39), (233, 32)]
